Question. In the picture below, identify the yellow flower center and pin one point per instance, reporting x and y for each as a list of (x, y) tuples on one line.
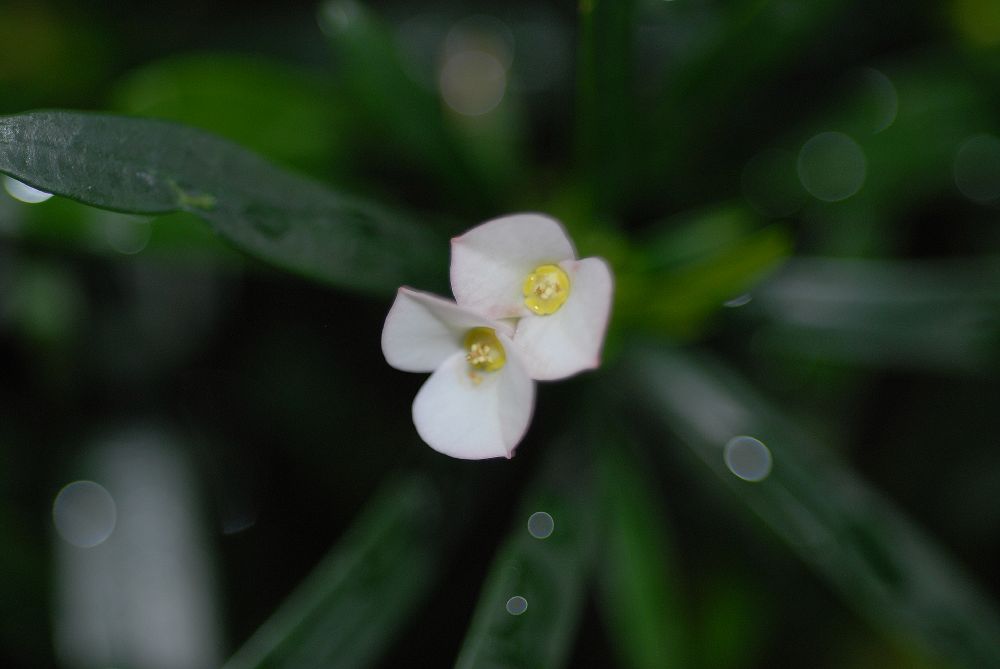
[(546, 289), (484, 351)]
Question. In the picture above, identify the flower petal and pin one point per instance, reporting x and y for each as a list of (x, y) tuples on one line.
[(422, 330), (459, 417), (570, 340), (490, 262)]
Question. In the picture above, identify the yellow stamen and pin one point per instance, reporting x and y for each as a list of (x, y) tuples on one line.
[(546, 289), (485, 352)]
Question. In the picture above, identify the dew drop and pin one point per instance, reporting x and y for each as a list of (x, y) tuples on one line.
[(23, 192), (738, 301), (84, 514), (126, 234), (517, 605), (748, 458), (541, 525), (832, 166)]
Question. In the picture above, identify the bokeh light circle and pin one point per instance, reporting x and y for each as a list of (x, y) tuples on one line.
[(977, 168), (84, 514), (473, 83), (832, 166), (541, 525), (517, 605), (748, 458)]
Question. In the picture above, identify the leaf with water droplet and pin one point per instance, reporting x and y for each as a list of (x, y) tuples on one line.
[(147, 166), (549, 576), (847, 533), (350, 608)]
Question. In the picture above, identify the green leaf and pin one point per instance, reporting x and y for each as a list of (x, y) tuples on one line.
[(876, 558), (925, 314), (181, 238), (286, 114), (407, 118), (694, 266), (752, 43), (906, 166), (353, 604), (549, 573), (156, 167), (640, 591), (736, 622), (605, 122)]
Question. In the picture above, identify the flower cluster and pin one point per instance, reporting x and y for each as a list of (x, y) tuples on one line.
[(526, 309)]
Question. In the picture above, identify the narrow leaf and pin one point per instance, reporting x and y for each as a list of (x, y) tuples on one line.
[(640, 591), (757, 42), (936, 314), (408, 118), (606, 117), (887, 568), (350, 608), (905, 168), (156, 167), (549, 573), (695, 264)]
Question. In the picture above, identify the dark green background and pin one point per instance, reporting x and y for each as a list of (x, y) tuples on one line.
[(866, 358)]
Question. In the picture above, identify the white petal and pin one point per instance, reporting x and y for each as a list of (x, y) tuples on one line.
[(490, 262), (570, 340), (422, 330), (463, 419)]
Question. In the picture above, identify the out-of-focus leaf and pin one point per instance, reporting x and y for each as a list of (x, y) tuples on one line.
[(548, 573), (978, 23), (930, 314), (51, 53), (852, 537), (735, 621), (909, 149), (605, 118), (691, 237), (134, 582), (156, 167), (640, 594), (284, 113), (685, 275), (350, 608), (24, 617), (407, 117), (748, 44)]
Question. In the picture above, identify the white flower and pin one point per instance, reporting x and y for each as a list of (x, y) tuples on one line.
[(478, 401), (527, 309), (524, 266)]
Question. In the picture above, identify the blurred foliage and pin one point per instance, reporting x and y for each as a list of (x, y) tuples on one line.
[(548, 573), (295, 123), (641, 597), (363, 581), (807, 190)]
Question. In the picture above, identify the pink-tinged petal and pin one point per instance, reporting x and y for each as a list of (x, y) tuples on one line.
[(422, 330), (570, 340), (472, 420), (490, 262)]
